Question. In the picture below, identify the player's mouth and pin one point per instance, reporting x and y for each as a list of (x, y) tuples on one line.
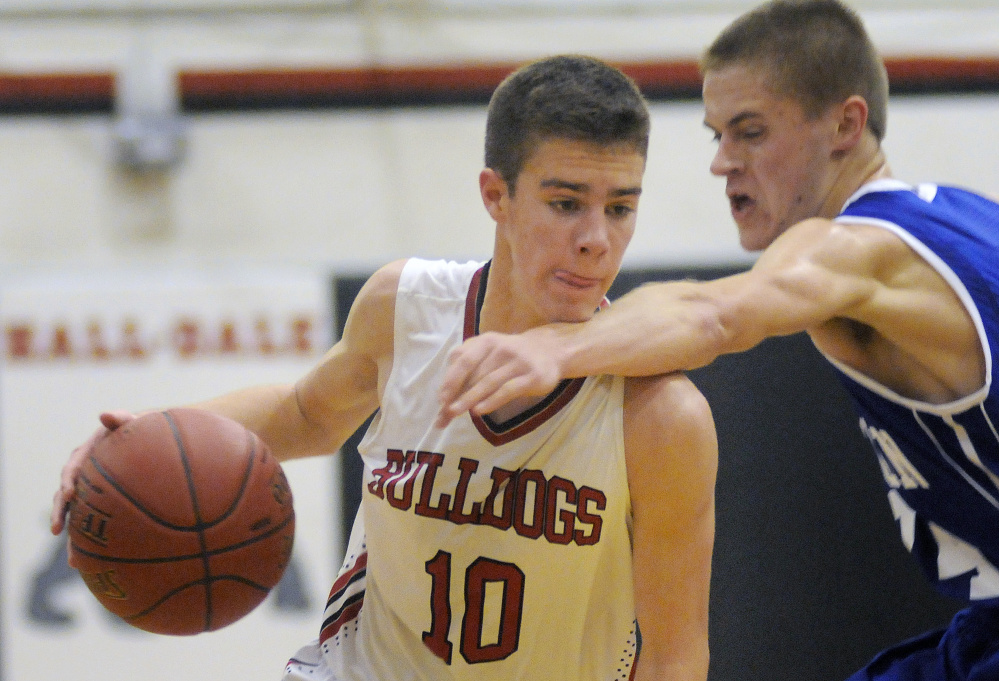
[(740, 204), (576, 281)]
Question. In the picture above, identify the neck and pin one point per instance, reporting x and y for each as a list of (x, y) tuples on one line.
[(502, 309), (868, 164), (498, 313), (495, 312)]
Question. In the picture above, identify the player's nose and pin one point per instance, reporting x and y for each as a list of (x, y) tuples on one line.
[(724, 161), (593, 234)]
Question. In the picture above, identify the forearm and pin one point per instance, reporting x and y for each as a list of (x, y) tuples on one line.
[(672, 612), (272, 412), (654, 329)]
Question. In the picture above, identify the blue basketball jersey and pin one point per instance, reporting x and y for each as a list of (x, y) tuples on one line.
[(941, 462)]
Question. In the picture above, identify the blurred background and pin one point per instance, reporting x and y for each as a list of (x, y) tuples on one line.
[(192, 191)]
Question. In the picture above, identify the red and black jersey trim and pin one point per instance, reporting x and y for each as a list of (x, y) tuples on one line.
[(345, 599), (523, 423), (634, 665)]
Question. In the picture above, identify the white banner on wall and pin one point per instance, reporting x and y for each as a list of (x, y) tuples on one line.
[(75, 345), (84, 6)]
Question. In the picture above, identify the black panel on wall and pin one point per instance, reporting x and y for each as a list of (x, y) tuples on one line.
[(810, 578), (345, 289)]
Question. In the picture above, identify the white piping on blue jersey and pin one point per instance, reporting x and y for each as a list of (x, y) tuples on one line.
[(887, 184), (969, 448), (992, 426), (953, 464), (927, 192)]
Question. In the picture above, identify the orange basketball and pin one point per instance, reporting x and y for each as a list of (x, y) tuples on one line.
[(182, 521)]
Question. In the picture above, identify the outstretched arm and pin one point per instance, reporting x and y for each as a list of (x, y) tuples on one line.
[(817, 271), (672, 457)]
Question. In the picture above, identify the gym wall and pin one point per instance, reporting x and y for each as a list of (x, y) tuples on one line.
[(346, 134)]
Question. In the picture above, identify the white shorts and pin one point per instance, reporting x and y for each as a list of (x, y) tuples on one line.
[(308, 665)]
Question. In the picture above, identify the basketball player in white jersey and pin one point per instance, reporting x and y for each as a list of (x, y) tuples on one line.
[(529, 542)]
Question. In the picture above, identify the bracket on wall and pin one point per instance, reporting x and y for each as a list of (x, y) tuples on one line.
[(149, 133)]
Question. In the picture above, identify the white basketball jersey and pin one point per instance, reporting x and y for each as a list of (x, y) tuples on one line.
[(486, 551)]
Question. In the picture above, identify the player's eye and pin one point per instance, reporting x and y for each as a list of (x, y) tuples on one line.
[(620, 210), (564, 205)]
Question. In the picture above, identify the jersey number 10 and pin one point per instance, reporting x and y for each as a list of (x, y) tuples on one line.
[(482, 573)]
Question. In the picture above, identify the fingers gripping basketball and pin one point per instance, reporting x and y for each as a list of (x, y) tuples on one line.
[(182, 522)]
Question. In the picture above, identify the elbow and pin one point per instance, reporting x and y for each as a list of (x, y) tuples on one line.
[(727, 321), (715, 329), (692, 665)]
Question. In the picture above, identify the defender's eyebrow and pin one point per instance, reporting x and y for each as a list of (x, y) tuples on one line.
[(735, 120), (627, 191)]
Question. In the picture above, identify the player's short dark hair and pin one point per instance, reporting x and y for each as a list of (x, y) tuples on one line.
[(569, 97), (815, 51)]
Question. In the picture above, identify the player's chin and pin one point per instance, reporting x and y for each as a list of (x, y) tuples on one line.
[(568, 305), (755, 237), (580, 313)]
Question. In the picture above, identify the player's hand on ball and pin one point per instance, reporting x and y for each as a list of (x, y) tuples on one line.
[(111, 420)]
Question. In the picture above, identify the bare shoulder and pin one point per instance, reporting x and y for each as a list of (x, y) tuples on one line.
[(882, 270), (672, 397), (820, 269), (844, 247), (350, 374), (672, 459), (372, 315), (380, 288), (668, 423), (871, 300)]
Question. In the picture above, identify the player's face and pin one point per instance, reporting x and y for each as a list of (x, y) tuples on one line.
[(777, 161), (563, 233)]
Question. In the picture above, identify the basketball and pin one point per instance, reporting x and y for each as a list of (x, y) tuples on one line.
[(182, 521)]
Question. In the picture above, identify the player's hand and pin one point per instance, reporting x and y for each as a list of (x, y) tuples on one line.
[(110, 421), (493, 369)]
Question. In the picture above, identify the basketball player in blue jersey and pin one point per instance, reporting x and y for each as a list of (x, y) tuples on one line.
[(528, 542), (897, 285)]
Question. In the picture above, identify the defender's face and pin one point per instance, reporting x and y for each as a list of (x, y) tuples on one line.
[(776, 160), (565, 229)]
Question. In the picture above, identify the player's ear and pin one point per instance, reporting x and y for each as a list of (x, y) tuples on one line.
[(852, 123), (494, 192)]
